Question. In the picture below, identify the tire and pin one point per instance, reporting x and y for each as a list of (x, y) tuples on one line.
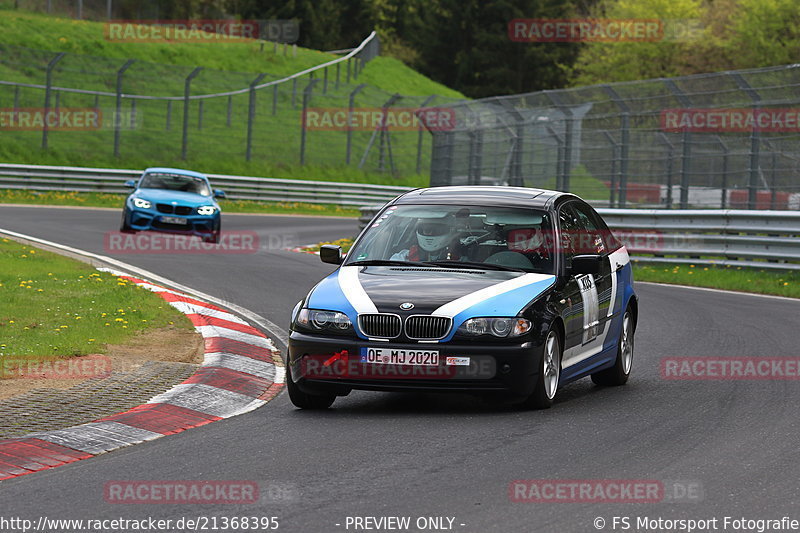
[(621, 371), (549, 373), (123, 226), (215, 234), (304, 400)]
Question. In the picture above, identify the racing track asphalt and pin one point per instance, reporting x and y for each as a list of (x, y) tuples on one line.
[(378, 454)]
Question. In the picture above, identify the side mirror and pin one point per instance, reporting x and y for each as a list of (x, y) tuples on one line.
[(330, 253), (585, 264), (131, 184), (219, 193)]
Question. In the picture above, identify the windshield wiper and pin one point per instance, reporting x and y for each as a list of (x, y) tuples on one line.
[(474, 265), (385, 262)]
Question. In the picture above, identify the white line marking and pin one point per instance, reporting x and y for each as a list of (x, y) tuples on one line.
[(708, 289), (353, 291), (458, 305)]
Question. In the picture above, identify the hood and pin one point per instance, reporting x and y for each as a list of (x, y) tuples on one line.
[(183, 198), (459, 294)]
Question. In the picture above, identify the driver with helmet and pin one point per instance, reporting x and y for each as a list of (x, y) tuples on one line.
[(436, 241)]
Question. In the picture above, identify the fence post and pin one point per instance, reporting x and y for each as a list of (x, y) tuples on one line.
[(614, 156), (274, 99), (294, 92), (559, 154), (624, 145), (186, 91), (421, 132), (200, 115), (251, 114), (725, 152), (169, 114), (686, 143), (118, 109), (80, 9), (306, 101), (325, 82), (348, 70), (755, 140), (337, 74), (670, 155), (16, 98), (380, 130), (47, 91), (568, 134), (109, 9), (350, 105)]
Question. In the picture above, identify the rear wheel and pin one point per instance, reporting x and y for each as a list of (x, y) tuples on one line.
[(304, 400), (549, 372), (621, 371)]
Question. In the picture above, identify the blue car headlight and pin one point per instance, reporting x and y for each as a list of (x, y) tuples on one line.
[(496, 326), (322, 320), (206, 210), (142, 203)]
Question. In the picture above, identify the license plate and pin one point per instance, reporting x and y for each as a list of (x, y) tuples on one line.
[(174, 220), (394, 356)]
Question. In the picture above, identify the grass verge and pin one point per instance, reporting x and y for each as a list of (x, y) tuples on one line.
[(742, 279), (53, 306), (67, 198)]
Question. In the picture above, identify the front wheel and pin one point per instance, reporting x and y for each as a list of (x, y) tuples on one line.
[(123, 226), (621, 371), (304, 400), (549, 372)]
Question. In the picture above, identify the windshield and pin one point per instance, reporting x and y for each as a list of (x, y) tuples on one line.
[(175, 182), (501, 238)]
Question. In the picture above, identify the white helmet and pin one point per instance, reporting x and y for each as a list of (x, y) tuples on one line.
[(433, 236)]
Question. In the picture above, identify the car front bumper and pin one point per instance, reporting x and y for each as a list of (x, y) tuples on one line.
[(330, 364), (145, 219)]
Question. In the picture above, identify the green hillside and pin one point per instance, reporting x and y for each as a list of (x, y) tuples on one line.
[(218, 125)]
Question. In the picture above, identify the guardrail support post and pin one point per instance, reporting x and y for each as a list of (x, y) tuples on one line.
[(755, 140), (421, 132), (350, 105), (186, 92), (306, 101), (48, 89), (251, 115), (118, 108)]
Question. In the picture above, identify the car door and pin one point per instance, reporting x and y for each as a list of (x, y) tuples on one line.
[(587, 295)]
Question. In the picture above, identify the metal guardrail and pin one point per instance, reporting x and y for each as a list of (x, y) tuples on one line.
[(107, 180), (760, 239)]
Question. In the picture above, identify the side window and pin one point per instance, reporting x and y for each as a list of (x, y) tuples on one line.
[(608, 242), (591, 237), (570, 228)]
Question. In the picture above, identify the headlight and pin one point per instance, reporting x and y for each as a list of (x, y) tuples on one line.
[(206, 210), (498, 327), (141, 202), (320, 320)]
